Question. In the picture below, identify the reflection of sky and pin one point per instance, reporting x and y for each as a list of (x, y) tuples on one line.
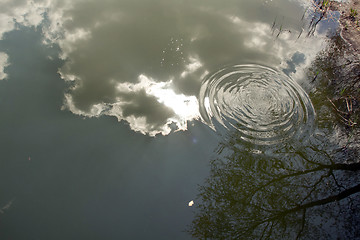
[(95, 178), (3, 64), (143, 61)]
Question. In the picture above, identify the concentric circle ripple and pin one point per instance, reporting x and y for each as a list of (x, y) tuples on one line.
[(264, 105)]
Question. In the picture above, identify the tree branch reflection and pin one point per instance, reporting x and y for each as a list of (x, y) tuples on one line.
[(290, 193)]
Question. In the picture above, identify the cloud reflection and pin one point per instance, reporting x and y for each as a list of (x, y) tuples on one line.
[(27, 13), (3, 64), (144, 61)]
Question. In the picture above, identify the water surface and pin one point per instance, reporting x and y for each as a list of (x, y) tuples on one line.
[(105, 133)]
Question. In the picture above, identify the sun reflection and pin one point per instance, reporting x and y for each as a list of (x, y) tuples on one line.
[(186, 108)]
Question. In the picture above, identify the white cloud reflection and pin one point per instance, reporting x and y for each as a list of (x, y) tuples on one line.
[(3, 64), (143, 61), (27, 13)]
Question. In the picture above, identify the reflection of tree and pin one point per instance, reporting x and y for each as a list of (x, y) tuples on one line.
[(336, 81), (287, 194), (320, 10)]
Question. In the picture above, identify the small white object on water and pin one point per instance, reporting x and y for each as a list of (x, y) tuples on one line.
[(191, 203)]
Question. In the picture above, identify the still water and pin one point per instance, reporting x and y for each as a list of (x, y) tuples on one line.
[(115, 115)]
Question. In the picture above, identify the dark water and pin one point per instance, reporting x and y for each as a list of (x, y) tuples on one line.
[(113, 113)]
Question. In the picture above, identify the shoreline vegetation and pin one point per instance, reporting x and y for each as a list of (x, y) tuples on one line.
[(337, 69), (349, 22)]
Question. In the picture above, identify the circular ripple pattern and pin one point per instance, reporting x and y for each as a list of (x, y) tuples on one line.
[(265, 106)]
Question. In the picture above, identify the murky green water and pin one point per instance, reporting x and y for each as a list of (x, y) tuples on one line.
[(113, 113)]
